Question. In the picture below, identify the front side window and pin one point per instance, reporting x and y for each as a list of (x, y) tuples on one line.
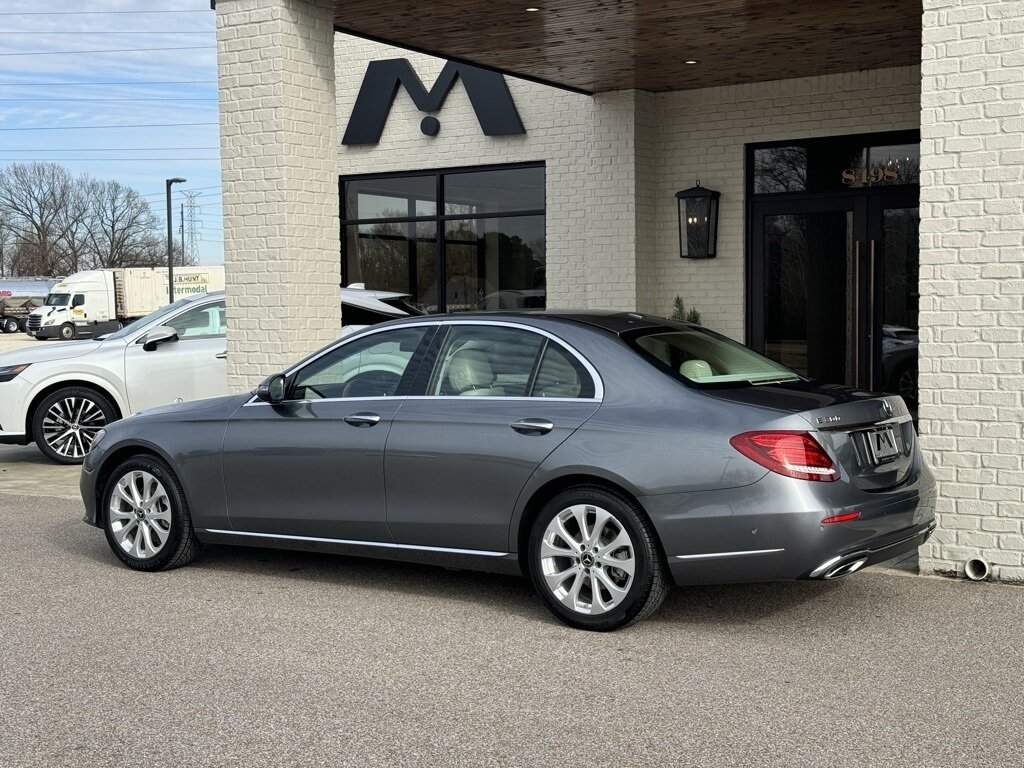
[(702, 357), (454, 240), (372, 366), (205, 322), (496, 361)]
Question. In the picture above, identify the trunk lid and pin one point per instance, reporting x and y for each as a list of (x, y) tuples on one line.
[(871, 436)]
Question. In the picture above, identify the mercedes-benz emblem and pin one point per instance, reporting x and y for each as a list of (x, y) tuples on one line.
[(887, 409)]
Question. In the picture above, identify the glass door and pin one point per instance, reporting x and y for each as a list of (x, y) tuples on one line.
[(834, 288), (893, 246), (808, 288)]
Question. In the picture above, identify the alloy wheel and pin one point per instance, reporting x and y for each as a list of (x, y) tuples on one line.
[(139, 512), (587, 559), (907, 385), (70, 426)]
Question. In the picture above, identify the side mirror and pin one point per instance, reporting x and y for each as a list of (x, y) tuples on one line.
[(272, 389), (159, 335)]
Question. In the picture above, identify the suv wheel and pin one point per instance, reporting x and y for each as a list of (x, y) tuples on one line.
[(66, 422), (595, 561), (146, 518)]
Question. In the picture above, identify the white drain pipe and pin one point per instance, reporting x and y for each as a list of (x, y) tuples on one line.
[(977, 569)]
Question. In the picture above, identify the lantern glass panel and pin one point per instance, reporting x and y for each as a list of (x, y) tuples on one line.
[(697, 227)]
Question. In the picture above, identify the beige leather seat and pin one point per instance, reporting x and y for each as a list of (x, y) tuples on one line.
[(470, 375)]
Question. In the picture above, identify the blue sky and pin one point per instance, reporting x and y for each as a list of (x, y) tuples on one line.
[(88, 93)]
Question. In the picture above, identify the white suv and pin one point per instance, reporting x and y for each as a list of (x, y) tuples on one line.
[(60, 395)]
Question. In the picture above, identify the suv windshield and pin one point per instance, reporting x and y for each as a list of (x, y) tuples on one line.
[(57, 299), (144, 321), (702, 357)]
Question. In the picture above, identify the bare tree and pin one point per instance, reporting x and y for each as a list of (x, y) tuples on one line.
[(122, 231), (33, 195)]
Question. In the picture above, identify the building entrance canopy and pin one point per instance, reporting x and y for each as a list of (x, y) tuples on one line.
[(595, 46)]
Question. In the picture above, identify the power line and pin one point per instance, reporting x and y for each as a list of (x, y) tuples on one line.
[(110, 50), (104, 127), (110, 149), (101, 159), (94, 13), (113, 82), (106, 32), (116, 98)]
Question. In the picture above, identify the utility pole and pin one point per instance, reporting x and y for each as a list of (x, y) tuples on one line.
[(181, 232), (170, 236)]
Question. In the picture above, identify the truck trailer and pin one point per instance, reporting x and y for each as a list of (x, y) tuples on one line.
[(100, 301), (18, 297)]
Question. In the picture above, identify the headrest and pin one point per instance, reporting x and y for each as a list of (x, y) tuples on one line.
[(469, 369), (696, 370)]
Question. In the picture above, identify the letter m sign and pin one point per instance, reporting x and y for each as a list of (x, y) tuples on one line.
[(488, 93)]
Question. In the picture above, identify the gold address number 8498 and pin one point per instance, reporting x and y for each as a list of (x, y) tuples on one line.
[(865, 176)]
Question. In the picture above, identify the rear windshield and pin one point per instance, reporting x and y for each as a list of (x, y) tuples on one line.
[(702, 357)]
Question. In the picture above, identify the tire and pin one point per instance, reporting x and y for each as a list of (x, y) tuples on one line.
[(904, 383), (565, 583), (68, 332), (10, 325), (150, 529), (53, 418)]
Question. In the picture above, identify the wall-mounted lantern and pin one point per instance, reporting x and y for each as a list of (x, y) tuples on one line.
[(698, 222)]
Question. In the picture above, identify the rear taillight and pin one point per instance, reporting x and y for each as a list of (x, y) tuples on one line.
[(793, 454)]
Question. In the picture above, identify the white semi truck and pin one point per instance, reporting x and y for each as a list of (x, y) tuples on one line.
[(18, 297), (100, 301)]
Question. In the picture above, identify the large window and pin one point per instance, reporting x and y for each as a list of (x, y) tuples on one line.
[(482, 247)]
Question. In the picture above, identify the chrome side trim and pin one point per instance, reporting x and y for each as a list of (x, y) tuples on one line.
[(354, 542), (740, 553)]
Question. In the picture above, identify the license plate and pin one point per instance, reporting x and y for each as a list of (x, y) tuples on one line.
[(883, 444)]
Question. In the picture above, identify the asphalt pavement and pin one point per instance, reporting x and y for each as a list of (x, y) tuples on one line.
[(256, 657)]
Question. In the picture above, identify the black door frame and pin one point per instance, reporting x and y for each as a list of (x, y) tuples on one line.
[(866, 206)]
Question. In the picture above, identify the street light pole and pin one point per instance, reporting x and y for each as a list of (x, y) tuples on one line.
[(170, 237)]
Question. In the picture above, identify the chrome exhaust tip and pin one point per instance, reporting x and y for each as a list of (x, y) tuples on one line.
[(845, 569), (840, 565)]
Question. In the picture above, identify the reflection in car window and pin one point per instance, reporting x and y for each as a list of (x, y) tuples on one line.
[(204, 322), (495, 361), (372, 366)]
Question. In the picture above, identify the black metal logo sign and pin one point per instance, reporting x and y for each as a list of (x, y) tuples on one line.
[(488, 93)]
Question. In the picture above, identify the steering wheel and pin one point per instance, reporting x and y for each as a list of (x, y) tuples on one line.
[(372, 384)]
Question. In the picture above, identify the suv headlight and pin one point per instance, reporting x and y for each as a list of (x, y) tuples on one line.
[(8, 372)]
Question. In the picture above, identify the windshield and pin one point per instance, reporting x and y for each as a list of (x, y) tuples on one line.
[(58, 299), (703, 357), (144, 321)]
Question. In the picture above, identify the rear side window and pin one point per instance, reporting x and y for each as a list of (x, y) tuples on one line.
[(702, 357), (497, 361)]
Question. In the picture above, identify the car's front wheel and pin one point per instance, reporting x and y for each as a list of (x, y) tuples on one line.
[(66, 422), (147, 519), (595, 561)]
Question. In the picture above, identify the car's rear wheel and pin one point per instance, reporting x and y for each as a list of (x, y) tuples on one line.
[(66, 422), (146, 517), (595, 561)]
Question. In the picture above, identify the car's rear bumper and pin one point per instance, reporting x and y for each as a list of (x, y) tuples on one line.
[(772, 530)]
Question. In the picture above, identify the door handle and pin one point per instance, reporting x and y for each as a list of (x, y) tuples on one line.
[(532, 426), (365, 419), (221, 355)]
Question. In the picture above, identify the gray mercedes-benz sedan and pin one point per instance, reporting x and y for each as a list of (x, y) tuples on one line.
[(605, 455)]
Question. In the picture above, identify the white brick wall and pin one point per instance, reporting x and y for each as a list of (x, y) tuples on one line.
[(972, 280), (278, 127)]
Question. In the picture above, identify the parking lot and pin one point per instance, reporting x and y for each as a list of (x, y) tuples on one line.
[(256, 657)]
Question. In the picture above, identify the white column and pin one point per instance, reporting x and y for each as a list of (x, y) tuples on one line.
[(620, 243), (972, 280), (279, 162)]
